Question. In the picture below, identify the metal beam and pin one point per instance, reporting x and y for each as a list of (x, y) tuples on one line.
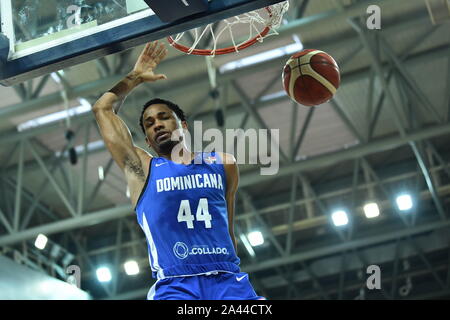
[(350, 245), (378, 68), (302, 135), (40, 86), (358, 151), (83, 170), (409, 80), (290, 221), (380, 255), (422, 256), (13, 136), (99, 184), (122, 211), (102, 85), (34, 204), (251, 109), (315, 280), (5, 222), (423, 164), (304, 224), (339, 109), (17, 204), (342, 276), (266, 229), (52, 180), (68, 224)]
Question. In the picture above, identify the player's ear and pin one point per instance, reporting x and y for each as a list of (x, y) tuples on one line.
[(184, 125)]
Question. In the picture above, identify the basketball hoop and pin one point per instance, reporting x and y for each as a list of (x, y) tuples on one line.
[(267, 19)]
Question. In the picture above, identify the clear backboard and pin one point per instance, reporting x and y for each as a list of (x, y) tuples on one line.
[(43, 36)]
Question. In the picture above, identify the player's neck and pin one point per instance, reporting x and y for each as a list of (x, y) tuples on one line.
[(183, 156)]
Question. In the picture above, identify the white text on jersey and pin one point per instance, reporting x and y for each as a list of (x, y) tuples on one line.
[(193, 181)]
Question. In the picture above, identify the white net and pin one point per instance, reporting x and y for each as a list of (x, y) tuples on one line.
[(260, 24)]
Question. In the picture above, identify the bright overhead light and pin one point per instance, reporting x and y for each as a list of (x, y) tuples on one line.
[(41, 241), (262, 57), (101, 173), (127, 193), (55, 76), (272, 96), (103, 274), (255, 238), (56, 116), (131, 268), (339, 218), (371, 210), (404, 202), (247, 245)]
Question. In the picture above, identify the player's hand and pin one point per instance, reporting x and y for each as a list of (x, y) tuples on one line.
[(149, 59)]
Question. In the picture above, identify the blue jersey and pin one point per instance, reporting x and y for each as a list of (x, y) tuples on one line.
[(182, 210)]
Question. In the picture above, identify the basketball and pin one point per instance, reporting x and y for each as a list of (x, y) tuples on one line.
[(311, 77)]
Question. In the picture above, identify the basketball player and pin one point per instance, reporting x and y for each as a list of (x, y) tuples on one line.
[(184, 201)]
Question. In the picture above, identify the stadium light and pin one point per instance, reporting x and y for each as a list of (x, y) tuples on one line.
[(41, 241), (131, 268), (404, 202), (340, 218), (255, 238), (371, 210), (262, 57), (247, 244), (84, 107), (103, 274), (101, 173)]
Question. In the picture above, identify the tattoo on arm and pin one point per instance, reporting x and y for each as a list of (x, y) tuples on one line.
[(134, 167)]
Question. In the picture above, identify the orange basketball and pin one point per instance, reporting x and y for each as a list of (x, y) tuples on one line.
[(311, 77)]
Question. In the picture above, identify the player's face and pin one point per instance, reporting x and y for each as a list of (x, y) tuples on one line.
[(159, 123)]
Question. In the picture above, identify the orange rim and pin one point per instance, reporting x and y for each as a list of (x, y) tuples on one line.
[(208, 52)]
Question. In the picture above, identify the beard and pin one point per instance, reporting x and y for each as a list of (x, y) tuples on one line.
[(166, 147)]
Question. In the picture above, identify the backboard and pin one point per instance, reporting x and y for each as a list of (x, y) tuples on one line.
[(46, 36)]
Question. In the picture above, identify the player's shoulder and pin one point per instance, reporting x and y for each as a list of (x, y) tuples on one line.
[(227, 158)]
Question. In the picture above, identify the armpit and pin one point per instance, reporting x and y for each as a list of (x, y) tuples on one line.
[(134, 167)]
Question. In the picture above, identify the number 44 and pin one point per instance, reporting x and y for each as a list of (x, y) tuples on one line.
[(185, 215)]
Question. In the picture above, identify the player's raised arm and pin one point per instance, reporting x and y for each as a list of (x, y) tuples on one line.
[(115, 133)]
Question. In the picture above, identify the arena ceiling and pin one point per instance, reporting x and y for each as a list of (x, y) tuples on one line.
[(385, 132)]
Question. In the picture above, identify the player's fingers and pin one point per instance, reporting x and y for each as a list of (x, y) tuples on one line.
[(162, 52), (151, 48), (158, 59), (157, 51), (146, 49), (161, 56)]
